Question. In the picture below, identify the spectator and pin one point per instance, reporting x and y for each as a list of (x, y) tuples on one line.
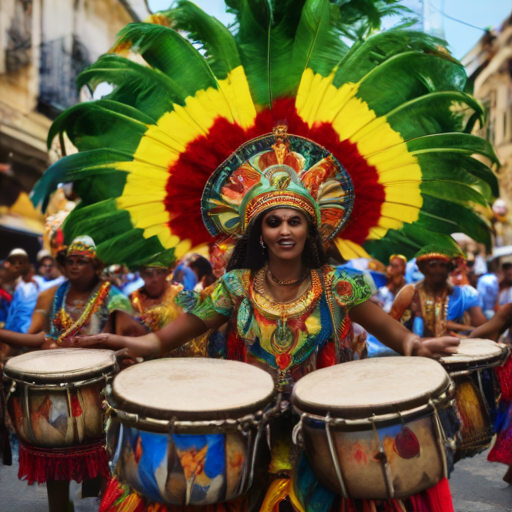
[(505, 296), (396, 281), (203, 271), (16, 264), (48, 275), (184, 275), (23, 302), (488, 290)]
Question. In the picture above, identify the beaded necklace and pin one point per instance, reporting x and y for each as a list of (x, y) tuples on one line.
[(63, 321)]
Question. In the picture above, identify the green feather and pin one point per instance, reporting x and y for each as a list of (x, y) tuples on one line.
[(111, 229), (221, 51), (166, 50), (437, 112), (365, 56), (101, 124), (408, 76), (68, 168), (438, 215), (141, 87), (458, 143)]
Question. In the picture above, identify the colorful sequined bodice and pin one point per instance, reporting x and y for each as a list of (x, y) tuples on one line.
[(286, 337)]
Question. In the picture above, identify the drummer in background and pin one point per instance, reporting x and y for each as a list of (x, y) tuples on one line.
[(153, 303), (280, 317), (502, 448), (86, 305), (434, 307), (396, 281)]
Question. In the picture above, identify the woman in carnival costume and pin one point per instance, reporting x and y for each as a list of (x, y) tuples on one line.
[(279, 137), (82, 305), (154, 303)]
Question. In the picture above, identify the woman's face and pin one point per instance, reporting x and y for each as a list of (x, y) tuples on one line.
[(284, 232), (80, 270)]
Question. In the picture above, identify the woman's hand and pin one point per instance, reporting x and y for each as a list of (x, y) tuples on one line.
[(434, 348), (49, 344), (144, 346)]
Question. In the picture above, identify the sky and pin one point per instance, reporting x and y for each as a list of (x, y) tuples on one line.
[(461, 38)]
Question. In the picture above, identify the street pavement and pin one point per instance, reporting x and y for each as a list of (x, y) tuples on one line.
[(476, 485)]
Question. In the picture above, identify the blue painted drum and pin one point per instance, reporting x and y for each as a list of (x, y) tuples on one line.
[(186, 431)]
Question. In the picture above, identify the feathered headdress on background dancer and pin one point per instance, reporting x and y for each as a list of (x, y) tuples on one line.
[(190, 144)]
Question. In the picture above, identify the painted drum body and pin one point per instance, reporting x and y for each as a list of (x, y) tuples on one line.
[(476, 392), (186, 431), (377, 434), (55, 398)]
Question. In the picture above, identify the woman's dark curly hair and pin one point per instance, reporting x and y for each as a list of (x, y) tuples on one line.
[(249, 254)]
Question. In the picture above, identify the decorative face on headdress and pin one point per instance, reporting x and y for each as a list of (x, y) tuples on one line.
[(82, 246), (278, 171)]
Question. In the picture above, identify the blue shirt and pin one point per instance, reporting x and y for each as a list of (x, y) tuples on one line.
[(185, 276), (488, 290), (23, 304)]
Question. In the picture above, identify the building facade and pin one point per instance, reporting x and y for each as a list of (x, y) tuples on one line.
[(44, 45), (489, 68)]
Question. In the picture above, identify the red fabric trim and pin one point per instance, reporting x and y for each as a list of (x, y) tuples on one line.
[(504, 374), (436, 499), (189, 174), (78, 463), (326, 356), (5, 295)]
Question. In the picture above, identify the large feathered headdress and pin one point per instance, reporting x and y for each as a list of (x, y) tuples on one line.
[(376, 141)]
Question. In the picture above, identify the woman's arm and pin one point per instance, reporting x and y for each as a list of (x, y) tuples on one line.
[(17, 339), (476, 316), (172, 336), (396, 336), (498, 324)]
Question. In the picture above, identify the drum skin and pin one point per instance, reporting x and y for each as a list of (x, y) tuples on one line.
[(362, 472), (186, 469), (55, 420)]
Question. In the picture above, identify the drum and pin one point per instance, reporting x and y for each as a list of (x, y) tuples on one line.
[(186, 431), (55, 397), (476, 392), (372, 429)]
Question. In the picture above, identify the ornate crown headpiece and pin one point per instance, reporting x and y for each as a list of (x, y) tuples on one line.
[(278, 171)]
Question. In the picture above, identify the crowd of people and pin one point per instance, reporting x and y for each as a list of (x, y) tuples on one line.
[(73, 295)]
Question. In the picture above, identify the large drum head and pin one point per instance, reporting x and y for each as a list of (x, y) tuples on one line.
[(192, 389), (475, 352), (359, 389), (60, 365)]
